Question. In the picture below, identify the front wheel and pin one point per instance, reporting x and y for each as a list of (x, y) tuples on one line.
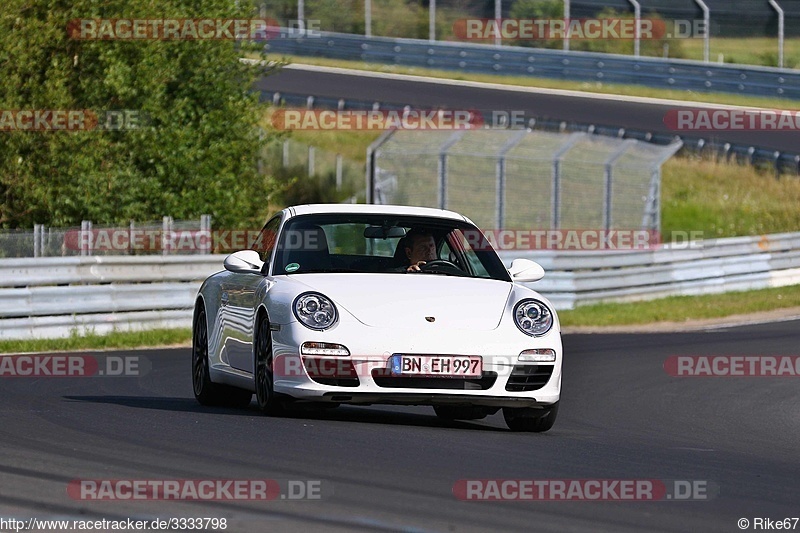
[(268, 402), (530, 418)]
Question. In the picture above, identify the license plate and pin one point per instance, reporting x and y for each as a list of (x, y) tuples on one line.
[(436, 365)]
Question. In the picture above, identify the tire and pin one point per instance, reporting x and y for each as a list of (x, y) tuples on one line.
[(206, 391), (268, 402), (460, 412), (530, 419)]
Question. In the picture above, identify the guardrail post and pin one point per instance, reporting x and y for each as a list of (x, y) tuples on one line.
[(285, 160), (311, 158)]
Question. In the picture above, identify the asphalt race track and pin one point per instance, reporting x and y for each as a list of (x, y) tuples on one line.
[(394, 468), (425, 95)]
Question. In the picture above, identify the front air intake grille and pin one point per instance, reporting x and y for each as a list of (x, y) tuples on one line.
[(385, 379), (335, 372), (526, 378)]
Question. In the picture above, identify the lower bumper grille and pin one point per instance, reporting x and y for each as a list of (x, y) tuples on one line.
[(526, 378), (332, 372), (383, 379)]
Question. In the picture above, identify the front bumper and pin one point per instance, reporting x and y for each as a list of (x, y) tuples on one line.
[(370, 349)]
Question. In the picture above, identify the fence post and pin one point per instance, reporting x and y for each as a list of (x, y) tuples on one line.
[(285, 153), (372, 150), (37, 240), (338, 172), (86, 237), (609, 181), (566, 20), (432, 21), (498, 14), (781, 33), (442, 166), (500, 214), (637, 15), (310, 166), (166, 234), (707, 23), (655, 185), (301, 15), (131, 232), (205, 229), (558, 157), (368, 18)]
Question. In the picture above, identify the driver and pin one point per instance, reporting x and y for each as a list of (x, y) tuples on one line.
[(420, 247)]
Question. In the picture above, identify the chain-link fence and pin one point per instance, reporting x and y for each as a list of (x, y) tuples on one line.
[(331, 169), (165, 237), (522, 179)]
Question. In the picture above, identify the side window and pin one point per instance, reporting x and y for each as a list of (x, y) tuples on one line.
[(267, 238)]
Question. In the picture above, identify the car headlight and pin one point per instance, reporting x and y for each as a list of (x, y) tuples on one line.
[(315, 311), (533, 318)]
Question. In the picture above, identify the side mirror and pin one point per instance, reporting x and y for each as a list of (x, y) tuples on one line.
[(525, 270), (247, 261)]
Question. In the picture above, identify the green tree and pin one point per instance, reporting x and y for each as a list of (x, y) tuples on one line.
[(198, 153)]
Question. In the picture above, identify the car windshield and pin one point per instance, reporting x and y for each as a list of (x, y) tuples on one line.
[(385, 244)]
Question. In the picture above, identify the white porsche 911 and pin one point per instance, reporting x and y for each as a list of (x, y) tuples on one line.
[(367, 304)]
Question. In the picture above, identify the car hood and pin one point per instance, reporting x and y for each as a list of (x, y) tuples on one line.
[(409, 300)]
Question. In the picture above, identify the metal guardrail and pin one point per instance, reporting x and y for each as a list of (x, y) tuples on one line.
[(701, 267), (51, 297), (557, 64)]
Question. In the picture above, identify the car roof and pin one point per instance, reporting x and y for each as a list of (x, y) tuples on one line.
[(373, 209)]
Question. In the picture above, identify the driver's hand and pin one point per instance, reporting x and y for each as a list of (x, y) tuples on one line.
[(415, 267)]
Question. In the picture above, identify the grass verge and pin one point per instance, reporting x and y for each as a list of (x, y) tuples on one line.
[(116, 339), (546, 83), (726, 199), (761, 51), (682, 308)]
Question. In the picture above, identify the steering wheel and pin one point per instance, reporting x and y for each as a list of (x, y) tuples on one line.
[(442, 265)]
